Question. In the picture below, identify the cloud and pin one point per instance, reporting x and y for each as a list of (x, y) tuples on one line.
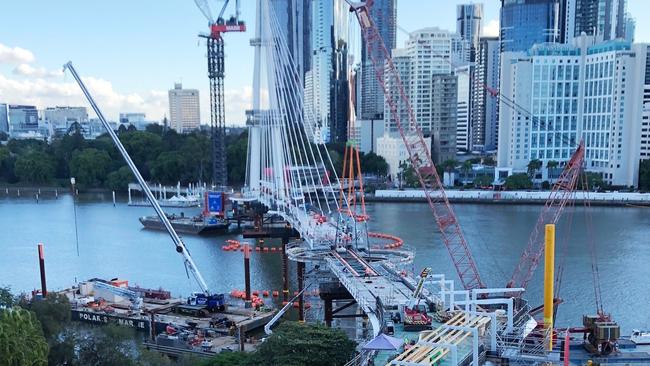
[(15, 55), (30, 71), (48, 92), (491, 29)]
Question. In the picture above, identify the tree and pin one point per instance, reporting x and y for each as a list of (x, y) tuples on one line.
[(483, 181), (644, 175), (373, 163), (466, 167), (449, 165), (53, 313), (489, 161), (230, 359), (154, 128), (533, 167), (168, 168), (7, 299), (4, 136), (21, 338), (7, 162), (552, 164), (294, 343), (518, 181), (237, 151), (34, 167), (594, 181), (119, 180), (90, 167), (107, 345), (408, 174)]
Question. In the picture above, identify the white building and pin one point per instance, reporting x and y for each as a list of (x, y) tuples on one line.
[(464, 108), (422, 65), (393, 150), (645, 118), (585, 91), (64, 117), (318, 80), (184, 109)]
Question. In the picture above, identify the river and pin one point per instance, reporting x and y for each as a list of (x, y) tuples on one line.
[(112, 243)]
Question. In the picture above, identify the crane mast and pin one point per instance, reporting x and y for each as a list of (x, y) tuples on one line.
[(216, 75), (419, 155), (180, 246)]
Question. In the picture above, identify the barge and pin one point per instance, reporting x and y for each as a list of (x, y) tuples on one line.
[(197, 225)]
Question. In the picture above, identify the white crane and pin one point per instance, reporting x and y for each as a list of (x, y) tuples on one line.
[(180, 246)]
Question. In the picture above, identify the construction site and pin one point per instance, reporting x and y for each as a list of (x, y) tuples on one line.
[(356, 279)]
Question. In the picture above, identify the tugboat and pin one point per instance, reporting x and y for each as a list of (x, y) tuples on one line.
[(211, 220)]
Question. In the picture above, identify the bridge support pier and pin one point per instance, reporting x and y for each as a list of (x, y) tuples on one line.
[(301, 286), (285, 270)]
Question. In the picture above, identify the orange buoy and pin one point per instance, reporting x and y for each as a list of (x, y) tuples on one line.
[(273, 249), (234, 293), (256, 293), (276, 293), (296, 304), (284, 303), (257, 249), (265, 293), (307, 305), (223, 247), (295, 293), (266, 249)]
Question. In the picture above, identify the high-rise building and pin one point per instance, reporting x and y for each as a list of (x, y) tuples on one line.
[(469, 25), (383, 13), (443, 120), (630, 28), (63, 117), (485, 111), (294, 19), (318, 80), (591, 91), (645, 118), (604, 19), (464, 108), (527, 22), (22, 117), (4, 118), (184, 109), (424, 67)]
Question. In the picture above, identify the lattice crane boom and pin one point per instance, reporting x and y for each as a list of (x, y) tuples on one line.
[(216, 75), (419, 155), (562, 192)]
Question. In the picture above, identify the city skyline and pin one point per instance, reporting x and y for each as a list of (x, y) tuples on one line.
[(139, 79)]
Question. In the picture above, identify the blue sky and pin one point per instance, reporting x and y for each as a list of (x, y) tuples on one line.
[(133, 51)]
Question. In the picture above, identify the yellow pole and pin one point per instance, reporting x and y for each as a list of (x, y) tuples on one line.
[(549, 274)]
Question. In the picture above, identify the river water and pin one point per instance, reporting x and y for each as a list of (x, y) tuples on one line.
[(112, 243)]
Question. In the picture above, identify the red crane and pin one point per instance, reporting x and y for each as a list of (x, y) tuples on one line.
[(216, 74), (562, 192), (419, 155)]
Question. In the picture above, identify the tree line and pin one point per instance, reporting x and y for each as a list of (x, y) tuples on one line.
[(164, 157), (161, 156)]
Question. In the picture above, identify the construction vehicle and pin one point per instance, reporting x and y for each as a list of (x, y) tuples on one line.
[(206, 299), (415, 315), (600, 334)]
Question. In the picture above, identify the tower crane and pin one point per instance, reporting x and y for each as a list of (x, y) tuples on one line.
[(216, 74), (419, 154)]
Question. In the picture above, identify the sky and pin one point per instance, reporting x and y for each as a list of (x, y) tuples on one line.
[(130, 53)]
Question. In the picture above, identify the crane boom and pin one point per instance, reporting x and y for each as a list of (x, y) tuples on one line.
[(180, 246), (419, 155), (561, 193)]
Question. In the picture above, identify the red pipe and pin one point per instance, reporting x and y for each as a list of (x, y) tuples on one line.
[(41, 263)]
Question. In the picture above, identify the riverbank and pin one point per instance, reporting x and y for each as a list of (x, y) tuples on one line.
[(513, 197)]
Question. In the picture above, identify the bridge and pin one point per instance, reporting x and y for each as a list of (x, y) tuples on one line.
[(295, 179)]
